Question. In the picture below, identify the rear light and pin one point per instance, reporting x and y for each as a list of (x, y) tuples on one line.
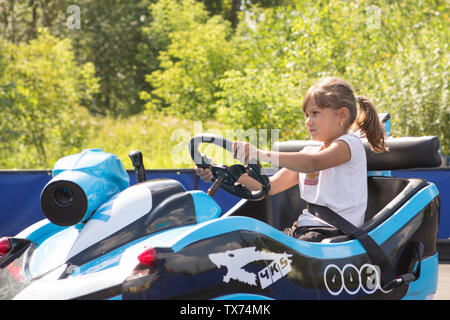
[(148, 258), (5, 246), (15, 270)]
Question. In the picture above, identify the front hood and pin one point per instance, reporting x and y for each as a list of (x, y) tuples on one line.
[(64, 243), (49, 288), (120, 211), (97, 279)]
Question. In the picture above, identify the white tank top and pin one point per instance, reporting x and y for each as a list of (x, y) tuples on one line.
[(343, 188)]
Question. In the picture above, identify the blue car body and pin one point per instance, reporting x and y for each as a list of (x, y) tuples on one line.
[(200, 252)]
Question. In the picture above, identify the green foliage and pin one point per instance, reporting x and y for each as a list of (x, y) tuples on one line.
[(20, 20), (162, 139), (41, 87), (394, 53), (260, 99), (416, 90), (109, 37), (398, 58), (241, 64), (198, 53), (229, 9)]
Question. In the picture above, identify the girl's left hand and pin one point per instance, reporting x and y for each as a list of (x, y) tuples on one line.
[(245, 152)]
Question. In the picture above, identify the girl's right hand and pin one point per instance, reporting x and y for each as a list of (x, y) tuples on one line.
[(204, 173)]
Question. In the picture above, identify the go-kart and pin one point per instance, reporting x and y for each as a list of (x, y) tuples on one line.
[(104, 239)]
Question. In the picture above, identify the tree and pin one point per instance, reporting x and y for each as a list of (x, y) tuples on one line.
[(109, 36), (399, 59), (20, 20), (198, 53), (41, 90), (230, 9)]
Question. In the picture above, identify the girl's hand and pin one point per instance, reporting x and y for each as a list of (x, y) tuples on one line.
[(244, 151), (204, 173)]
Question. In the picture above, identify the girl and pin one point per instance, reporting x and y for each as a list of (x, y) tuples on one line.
[(332, 175)]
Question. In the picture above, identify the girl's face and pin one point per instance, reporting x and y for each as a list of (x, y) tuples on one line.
[(325, 125)]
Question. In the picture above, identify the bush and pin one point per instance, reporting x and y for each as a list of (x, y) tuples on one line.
[(162, 139), (41, 88), (395, 53), (197, 54)]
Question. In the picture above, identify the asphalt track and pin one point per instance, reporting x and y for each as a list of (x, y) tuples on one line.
[(443, 289)]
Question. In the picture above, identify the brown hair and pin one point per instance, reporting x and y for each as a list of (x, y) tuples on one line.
[(332, 92)]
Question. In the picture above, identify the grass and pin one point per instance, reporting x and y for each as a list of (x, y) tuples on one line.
[(163, 140)]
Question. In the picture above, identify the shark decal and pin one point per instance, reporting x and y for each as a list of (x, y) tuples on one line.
[(236, 260)]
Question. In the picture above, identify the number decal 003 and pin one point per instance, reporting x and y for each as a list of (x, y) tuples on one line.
[(351, 279)]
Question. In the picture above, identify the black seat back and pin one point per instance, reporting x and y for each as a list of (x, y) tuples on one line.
[(404, 153), (386, 195)]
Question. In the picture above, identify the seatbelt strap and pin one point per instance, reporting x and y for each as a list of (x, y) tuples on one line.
[(376, 254)]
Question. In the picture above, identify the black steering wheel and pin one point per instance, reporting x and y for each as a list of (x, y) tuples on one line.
[(226, 176)]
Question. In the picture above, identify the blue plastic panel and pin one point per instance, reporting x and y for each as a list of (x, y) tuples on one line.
[(20, 193)]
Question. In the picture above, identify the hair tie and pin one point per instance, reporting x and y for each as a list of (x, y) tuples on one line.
[(356, 99)]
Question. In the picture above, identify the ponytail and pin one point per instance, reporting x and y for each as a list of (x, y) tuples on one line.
[(367, 122)]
